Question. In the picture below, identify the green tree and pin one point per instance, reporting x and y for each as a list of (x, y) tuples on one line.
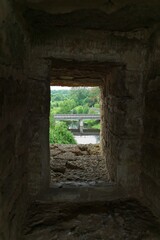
[(60, 134), (97, 105), (79, 109), (85, 109), (94, 96), (79, 94), (80, 100), (67, 106)]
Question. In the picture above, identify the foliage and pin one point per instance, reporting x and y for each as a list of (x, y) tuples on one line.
[(92, 124), (96, 126), (79, 94), (80, 100), (97, 105), (77, 100), (66, 106), (60, 134)]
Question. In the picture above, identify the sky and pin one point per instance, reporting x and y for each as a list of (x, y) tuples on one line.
[(59, 88)]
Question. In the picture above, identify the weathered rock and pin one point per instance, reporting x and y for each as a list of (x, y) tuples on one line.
[(55, 152), (71, 165), (82, 166), (58, 169), (66, 155), (91, 221), (93, 149), (113, 44)]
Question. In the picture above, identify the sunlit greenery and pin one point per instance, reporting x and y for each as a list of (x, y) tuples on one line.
[(74, 101), (60, 134)]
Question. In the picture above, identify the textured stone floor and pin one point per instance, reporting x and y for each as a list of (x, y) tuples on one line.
[(77, 163), (115, 220)]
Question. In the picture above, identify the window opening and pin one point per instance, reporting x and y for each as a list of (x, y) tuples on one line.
[(75, 115), (75, 156)]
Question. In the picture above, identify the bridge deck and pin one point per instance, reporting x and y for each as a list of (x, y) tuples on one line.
[(76, 116)]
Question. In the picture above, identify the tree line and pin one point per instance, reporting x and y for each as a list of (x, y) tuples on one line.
[(79, 100)]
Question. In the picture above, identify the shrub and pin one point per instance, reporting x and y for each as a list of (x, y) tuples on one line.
[(60, 134)]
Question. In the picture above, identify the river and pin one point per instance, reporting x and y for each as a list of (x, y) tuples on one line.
[(87, 139)]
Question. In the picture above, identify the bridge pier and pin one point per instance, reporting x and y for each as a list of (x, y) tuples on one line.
[(81, 126)]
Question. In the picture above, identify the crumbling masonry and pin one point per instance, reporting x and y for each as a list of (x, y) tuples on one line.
[(111, 44)]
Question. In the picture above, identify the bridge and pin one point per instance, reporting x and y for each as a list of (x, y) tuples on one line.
[(76, 116), (80, 118)]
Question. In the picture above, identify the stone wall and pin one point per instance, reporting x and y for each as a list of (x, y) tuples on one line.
[(124, 112), (39, 104), (24, 109), (14, 125), (122, 125), (123, 93), (151, 138), (79, 165), (24, 122)]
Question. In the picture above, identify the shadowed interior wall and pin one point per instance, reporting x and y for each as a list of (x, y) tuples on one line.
[(37, 72), (132, 97), (14, 125), (123, 127), (151, 139), (24, 123), (124, 92)]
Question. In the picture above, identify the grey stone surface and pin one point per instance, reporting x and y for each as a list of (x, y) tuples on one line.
[(14, 124), (151, 138), (115, 45), (121, 220), (77, 163)]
